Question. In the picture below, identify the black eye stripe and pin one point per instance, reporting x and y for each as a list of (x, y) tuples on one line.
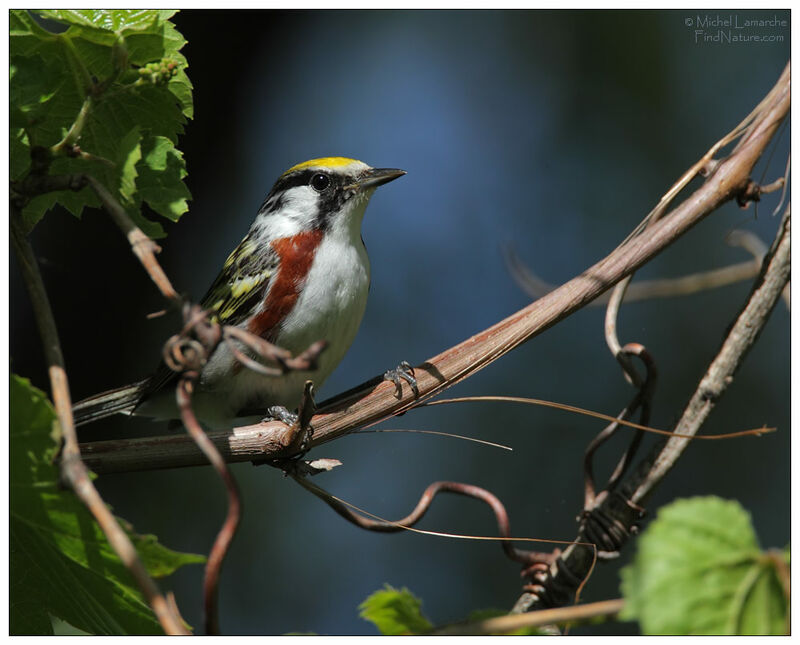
[(302, 178)]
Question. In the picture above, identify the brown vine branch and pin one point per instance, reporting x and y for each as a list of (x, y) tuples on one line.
[(375, 400), (640, 290), (37, 182), (535, 287), (186, 353), (529, 559), (305, 361), (536, 565), (228, 530), (738, 342), (73, 469), (613, 519), (641, 400)]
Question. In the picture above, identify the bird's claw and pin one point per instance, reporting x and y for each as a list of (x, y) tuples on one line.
[(280, 413), (403, 372)]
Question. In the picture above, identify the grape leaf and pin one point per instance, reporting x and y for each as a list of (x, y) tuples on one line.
[(117, 21), (94, 65), (60, 561), (160, 178), (395, 612), (699, 570)]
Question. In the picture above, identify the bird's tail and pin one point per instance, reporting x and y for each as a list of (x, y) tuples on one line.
[(120, 401)]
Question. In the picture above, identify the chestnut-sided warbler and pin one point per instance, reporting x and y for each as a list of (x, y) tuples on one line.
[(301, 274)]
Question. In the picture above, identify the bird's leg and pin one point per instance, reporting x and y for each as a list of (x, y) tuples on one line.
[(300, 423), (296, 442), (403, 372), (280, 413)]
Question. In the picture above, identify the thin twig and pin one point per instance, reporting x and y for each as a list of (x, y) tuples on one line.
[(621, 510), (228, 530), (513, 622), (306, 360), (536, 564), (271, 440), (610, 329), (720, 372), (641, 290), (779, 207), (748, 131), (641, 400), (143, 247), (39, 183), (611, 523), (75, 129), (755, 432), (371, 522), (186, 353), (450, 435), (73, 469)]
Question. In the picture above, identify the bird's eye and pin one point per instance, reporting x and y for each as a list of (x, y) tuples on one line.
[(320, 182)]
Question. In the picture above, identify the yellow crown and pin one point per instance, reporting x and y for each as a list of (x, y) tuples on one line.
[(325, 162)]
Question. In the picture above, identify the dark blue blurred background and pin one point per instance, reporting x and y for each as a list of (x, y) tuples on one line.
[(554, 131)]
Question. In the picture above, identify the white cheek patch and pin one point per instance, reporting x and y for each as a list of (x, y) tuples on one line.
[(300, 205), (297, 213)]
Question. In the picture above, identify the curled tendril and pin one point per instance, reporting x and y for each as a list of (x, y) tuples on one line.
[(182, 354)]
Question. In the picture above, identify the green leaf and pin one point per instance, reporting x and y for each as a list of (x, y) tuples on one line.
[(63, 628), (32, 85), (19, 153), (116, 20), (395, 612), (699, 570), (181, 88), (98, 55), (161, 172), (130, 154), (26, 35), (761, 606), (61, 564)]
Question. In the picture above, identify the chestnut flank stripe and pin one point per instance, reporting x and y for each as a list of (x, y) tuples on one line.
[(296, 254)]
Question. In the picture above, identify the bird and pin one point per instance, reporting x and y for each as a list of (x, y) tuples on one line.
[(300, 275)]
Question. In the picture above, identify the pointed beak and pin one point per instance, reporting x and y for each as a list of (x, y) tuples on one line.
[(374, 177)]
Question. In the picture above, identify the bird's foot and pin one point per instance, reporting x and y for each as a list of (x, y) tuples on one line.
[(280, 413), (302, 433), (403, 372)]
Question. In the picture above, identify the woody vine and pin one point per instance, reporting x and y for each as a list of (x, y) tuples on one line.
[(69, 163)]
